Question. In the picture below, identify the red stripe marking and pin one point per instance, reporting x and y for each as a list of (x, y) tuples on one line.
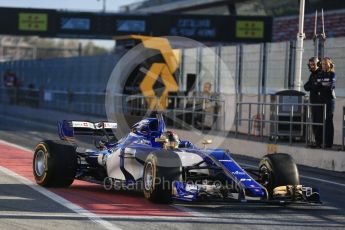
[(91, 197)]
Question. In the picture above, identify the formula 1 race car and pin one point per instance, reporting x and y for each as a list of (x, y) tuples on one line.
[(156, 162)]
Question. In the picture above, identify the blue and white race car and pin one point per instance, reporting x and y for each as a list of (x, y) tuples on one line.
[(165, 168)]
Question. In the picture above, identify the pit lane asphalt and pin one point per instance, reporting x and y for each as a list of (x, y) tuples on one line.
[(21, 207)]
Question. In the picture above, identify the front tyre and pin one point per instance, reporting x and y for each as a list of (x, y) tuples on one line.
[(161, 168), (278, 169), (54, 164)]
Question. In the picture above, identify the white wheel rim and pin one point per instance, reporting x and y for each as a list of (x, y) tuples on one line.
[(148, 176), (40, 163)]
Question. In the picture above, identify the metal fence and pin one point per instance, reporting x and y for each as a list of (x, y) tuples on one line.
[(264, 121), (343, 131), (295, 124), (87, 73), (78, 102)]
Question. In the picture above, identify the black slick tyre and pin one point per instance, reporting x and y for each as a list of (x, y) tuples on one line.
[(278, 169), (161, 168), (54, 163)]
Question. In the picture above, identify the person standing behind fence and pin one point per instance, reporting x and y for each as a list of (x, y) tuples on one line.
[(314, 98), (10, 79), (208, 106), (326, 85), (11, 83)]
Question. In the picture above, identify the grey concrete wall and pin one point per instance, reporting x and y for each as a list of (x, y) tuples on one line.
[(228, 69), (277, 66), (189, 65), (251, 69), (324, 159)]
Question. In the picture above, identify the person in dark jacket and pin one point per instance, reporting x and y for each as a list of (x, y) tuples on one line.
[(10, 79), (314, 98), (326, 86), (11, 86)]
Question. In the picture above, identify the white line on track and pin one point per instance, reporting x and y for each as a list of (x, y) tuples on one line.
[(16, 146), (307, 177), (101, 219), (181, 208), (184, 209), (211, 218), (189, 211), (13, 198), (322, 180), (76, 208)]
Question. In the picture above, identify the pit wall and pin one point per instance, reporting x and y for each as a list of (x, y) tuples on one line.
[(318, 158)]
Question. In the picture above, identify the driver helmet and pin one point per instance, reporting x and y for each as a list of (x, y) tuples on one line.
[(173, 140)]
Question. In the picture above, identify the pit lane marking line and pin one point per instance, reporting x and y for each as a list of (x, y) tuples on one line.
[(322, 180), (308, 177), (184, 209), (60, 200), (189, 211), (14, 198), (16, 146), (171, 220), (76, 208)]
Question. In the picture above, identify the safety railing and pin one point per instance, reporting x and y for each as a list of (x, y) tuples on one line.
[(181, 112), (343, 131), (79, 102), (295, 117)]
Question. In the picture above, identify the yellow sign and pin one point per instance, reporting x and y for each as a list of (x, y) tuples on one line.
[(250, 29), (33, 22)]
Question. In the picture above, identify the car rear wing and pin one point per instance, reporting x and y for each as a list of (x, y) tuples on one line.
[(68, 129)]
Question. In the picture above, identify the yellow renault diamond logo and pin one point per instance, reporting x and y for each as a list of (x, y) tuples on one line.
[(158, 70), (164, 71)]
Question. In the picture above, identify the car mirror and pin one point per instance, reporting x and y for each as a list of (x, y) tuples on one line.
[(100, 125), (161, 140), (207, 142)]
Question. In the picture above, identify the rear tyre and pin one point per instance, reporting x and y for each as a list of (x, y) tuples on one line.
[(278, 169), (54, 163), (161, 168)]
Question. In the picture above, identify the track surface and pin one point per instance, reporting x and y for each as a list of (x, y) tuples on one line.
[(23, 205)]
